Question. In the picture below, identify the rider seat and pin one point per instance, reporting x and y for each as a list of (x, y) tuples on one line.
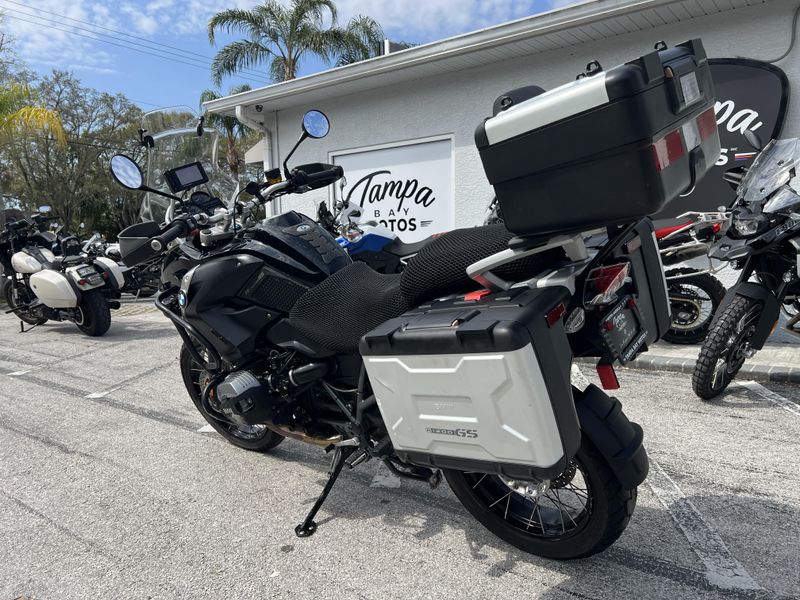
[(337, 312)]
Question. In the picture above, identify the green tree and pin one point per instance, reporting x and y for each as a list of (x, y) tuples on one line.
[(229, 127), (283, 35), (73, 178)]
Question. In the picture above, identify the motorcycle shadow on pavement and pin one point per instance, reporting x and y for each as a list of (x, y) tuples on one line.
[(121, 330), (653, 553)]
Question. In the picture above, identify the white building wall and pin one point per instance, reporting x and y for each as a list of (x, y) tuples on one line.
[(456, 103)]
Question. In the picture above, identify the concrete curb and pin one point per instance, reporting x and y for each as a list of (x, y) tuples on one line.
[(646, 362)]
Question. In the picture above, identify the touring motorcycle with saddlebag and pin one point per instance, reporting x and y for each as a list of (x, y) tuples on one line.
[(461, 364)]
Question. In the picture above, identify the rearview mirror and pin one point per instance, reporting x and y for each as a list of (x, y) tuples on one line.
[(315, 124), (753, 139), (126, 172), (44, 209)]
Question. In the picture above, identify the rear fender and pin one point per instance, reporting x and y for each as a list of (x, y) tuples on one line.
[(618, 440), (769, 314), (115, 275)]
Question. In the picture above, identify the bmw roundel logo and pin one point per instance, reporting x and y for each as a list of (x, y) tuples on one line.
[(182, 299), (303, 228)]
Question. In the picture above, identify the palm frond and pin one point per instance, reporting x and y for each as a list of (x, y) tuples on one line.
[(364, 40), (236, 56), (314, 11), (18, 112), (237, 19)]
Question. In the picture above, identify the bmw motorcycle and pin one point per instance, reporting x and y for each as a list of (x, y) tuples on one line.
[(367, 241), (285, 336), (763, 242), (41, 287)]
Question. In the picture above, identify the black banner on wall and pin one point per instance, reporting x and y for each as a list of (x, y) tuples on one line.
[(750, 95)]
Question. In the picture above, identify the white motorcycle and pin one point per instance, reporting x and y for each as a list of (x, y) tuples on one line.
[(42, 287)]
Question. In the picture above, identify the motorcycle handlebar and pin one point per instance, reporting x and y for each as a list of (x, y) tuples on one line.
[(320, 178), (174, 231)]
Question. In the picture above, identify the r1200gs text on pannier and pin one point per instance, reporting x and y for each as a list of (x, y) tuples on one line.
[(460, 364)]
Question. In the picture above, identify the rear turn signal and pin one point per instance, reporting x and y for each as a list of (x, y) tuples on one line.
[(604, 282)]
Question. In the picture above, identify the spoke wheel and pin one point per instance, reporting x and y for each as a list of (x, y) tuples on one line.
[(577, 514), (250, 437), (18, 294), (693, 302), (726, 348)]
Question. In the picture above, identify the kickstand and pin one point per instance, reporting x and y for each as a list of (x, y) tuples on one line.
[(308, 527)]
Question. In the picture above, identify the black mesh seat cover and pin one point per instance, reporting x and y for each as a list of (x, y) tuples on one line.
[(346, 305), (356, 299), (440, 268)]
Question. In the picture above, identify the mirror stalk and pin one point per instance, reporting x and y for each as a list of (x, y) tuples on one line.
[(146, 188), (302, 139)]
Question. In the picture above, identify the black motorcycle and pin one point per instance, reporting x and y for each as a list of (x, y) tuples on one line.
[(763, 242), (285, 336)]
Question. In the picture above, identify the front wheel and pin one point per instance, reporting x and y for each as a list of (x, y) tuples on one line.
[(579, 513), (93, 314), (693, 300), (17, 294), (258, 438), (726, 347)]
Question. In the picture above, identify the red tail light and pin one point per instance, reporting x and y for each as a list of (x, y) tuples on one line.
[(555, 314), (604, 282)]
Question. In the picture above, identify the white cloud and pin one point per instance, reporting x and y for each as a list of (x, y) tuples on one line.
[(44, 43), (427, 20)]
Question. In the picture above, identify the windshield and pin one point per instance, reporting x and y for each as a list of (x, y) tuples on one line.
[(176, 143), (773, 168)]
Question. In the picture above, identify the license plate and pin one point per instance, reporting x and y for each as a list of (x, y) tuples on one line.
[(86, 271), (622, 330)]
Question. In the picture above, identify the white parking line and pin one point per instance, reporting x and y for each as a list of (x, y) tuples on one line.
[(15, 373), (777, 399), (95, 395), (722, 569), (206, 429)]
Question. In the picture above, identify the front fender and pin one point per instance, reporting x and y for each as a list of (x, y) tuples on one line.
[(769, 315), (618, 440)]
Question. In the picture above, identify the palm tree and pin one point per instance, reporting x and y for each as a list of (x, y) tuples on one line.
[(229, 126), (283, 35), (17, 112)]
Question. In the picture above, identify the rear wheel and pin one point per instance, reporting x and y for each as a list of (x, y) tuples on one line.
[(726, 347), (579, 513), (258, 438), (17, 294), (693, 301), (93, 314)]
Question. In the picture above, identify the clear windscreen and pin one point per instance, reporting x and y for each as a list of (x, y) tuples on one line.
[(772, 169), (176, 143)]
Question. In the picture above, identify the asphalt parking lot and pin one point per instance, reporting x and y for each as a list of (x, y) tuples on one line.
[(112, 487)]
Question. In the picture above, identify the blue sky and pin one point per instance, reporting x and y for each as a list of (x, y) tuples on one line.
[(63, 34)]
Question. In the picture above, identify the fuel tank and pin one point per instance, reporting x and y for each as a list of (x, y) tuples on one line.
[(31, 259), (25, 263), (300, 238)]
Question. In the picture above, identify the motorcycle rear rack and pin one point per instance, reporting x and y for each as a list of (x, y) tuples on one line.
[(481, 271)]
